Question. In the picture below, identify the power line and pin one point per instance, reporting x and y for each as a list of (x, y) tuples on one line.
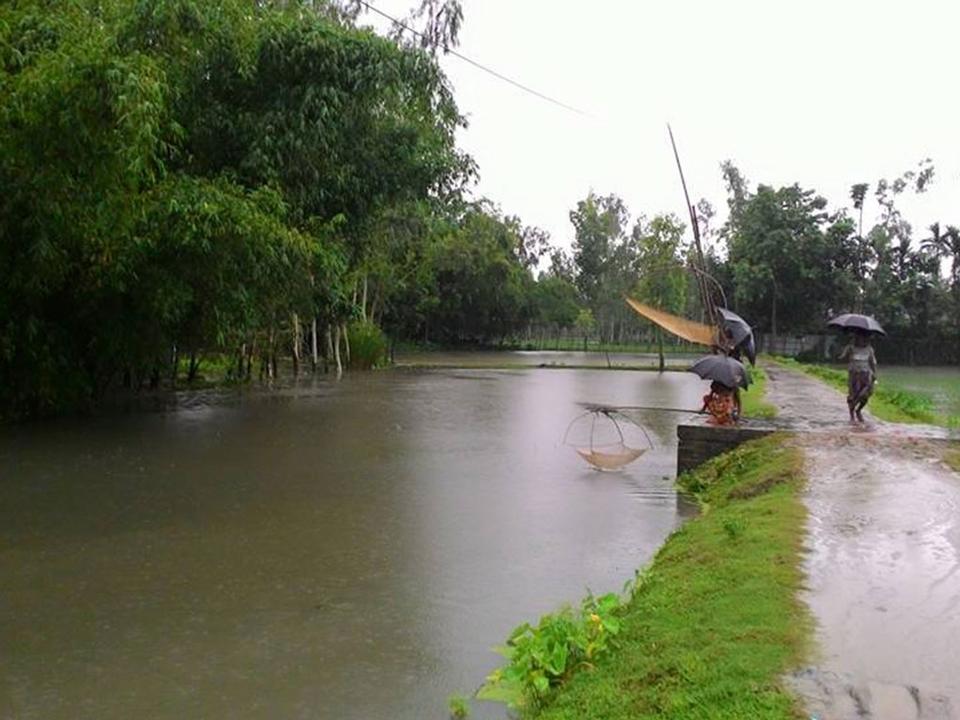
[(477, 65)]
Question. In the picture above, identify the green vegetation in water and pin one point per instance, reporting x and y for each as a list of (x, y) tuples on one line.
[(459, 706), (368, 346), (752, 400), (542, 658), (710, 627), (888, 402)]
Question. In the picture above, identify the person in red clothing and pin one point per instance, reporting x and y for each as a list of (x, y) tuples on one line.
[(721, 404)]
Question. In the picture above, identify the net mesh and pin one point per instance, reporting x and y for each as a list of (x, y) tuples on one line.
[(610, 457), (600, 440), (689, 330)]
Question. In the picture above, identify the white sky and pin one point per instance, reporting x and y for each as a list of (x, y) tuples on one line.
[(823, 93)]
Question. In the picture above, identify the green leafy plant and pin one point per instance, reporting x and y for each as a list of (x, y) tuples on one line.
[(459, 706), (543, 657)]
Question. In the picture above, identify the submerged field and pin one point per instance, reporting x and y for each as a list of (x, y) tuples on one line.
[(941, 384)]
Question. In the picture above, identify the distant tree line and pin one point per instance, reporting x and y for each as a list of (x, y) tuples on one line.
[(259, 180)]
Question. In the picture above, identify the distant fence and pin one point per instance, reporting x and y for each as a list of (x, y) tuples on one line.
[(811, 346)]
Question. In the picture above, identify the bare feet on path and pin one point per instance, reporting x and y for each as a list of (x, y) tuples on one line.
[(883, 563)]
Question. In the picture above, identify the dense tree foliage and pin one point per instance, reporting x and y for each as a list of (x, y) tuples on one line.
[(791, 263), (257, 179), (182, 176)]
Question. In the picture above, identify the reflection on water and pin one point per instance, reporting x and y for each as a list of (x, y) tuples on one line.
[(334, 550)]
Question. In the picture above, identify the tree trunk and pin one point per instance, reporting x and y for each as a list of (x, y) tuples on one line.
[(296, 344), (773, 314), (660, 350), (269, 355), (346, 343), (328, 355), (336, 351), (194, 366), (314, 354), (363, 302), (176, 367)]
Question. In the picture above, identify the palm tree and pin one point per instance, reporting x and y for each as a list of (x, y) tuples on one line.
[(946, 245)]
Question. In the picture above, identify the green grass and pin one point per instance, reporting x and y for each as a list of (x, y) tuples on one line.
[(889, 401), (753, 400), (459, 706), (715, 622)]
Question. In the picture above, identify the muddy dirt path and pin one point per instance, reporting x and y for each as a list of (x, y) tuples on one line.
[(883, 564)]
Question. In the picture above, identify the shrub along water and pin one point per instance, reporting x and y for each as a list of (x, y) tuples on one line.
[(368, 346), (708, 630)]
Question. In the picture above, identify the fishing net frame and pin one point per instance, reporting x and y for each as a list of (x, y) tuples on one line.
[(607, 456)]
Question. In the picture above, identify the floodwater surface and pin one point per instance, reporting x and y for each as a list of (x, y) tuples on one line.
[(942, 384), (329, 550)]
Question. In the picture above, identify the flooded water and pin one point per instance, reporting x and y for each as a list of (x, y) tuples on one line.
[(332, 550), (942, 384)]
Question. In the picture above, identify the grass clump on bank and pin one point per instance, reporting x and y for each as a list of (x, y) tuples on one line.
[(712, 625), (752, 400), (888, 402)]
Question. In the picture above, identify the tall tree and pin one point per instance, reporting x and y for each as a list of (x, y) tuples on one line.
[(774, 249), (662, 278), (602, 256)]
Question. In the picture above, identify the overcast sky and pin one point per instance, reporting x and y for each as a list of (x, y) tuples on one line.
[(822, 93)]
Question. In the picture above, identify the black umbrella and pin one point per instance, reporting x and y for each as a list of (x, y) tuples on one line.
[(740, 333), (749, 349), (853, 321), (723, 369)]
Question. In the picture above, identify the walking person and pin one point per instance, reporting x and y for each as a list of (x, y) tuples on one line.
[(861, 372)]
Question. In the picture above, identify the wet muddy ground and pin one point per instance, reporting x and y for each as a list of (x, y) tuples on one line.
[(883, 562)]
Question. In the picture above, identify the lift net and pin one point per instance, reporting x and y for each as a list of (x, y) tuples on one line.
[(598, 437)]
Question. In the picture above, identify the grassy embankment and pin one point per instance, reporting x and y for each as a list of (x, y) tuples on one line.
[(888, 402), (752, 400), (709, 629)]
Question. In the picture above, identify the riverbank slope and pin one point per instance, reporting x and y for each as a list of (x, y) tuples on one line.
[(716, 622)]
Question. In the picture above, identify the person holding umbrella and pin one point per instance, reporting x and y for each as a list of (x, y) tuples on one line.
[(861, 360), (728, 376), (721, 404)]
